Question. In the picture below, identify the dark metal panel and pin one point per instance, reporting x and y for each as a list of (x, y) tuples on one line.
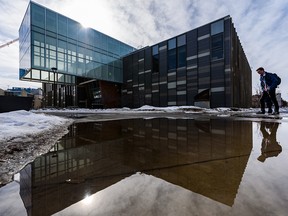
[(218, 74), (218, 99), (181, 100), (192, 45), (147, 59), (155, 99), (204, 30), (204, 45)]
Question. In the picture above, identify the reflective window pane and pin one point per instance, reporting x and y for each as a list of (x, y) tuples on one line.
[(36, 61), (60, 77), (73, 28), (217, 41), (181, 40), (51, 43), (155, 50), (62, 25), (45, 75), (172, 59), (181, 58), (217, 54), (155, 60), (35, 74), (38, 16), (51, 21), (217, 45), (217, 27), (172, 44), (68, 79), (52, 75)]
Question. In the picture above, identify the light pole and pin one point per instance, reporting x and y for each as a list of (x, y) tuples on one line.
[(54, 70)]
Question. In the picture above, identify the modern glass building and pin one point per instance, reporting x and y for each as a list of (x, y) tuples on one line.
[(205, 66), (84, 68), (78, 66)]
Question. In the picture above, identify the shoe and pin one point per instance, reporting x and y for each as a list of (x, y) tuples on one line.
[(260, 112), (270, 111), (276, 113)]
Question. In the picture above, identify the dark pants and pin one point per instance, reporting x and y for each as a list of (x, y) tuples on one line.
[(269, 98), (270, 146)]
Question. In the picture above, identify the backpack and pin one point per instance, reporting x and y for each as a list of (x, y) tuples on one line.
[(277, 78)]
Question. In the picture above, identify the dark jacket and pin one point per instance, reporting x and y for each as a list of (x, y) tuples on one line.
[(270, 80)]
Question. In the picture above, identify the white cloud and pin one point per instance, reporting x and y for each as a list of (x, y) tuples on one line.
[(261, 25)]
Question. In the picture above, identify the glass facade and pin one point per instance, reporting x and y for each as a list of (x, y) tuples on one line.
[(49, 40), (25, 44)]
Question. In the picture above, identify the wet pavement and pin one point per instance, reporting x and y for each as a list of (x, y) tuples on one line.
[(239, 165)]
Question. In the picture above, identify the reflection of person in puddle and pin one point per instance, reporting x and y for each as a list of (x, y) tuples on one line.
[(270, 146)]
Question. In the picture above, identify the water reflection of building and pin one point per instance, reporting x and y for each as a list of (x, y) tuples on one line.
[(207, 157)]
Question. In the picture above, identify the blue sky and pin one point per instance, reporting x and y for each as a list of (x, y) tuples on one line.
[(261, 27)]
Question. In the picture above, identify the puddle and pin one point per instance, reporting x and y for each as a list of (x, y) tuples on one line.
[(225, 166)]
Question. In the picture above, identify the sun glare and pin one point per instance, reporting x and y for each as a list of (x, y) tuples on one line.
[(88, 15), (85, 25), (87, 200)]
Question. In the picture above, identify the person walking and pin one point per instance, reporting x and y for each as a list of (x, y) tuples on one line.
[(269, 83)]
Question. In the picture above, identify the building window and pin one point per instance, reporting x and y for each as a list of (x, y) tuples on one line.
[(217, 45), (50, 52), (172, 56), (38, 16), (38, 51), (45, 75), (155, 58), (51, 21), (172, 59), (155, 50), (62, 25), (35, 74), (155, 63), (181, 40), (217, 27), (177, 56), (73, 28), (172, 44), (60, 78), (181, 57)]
